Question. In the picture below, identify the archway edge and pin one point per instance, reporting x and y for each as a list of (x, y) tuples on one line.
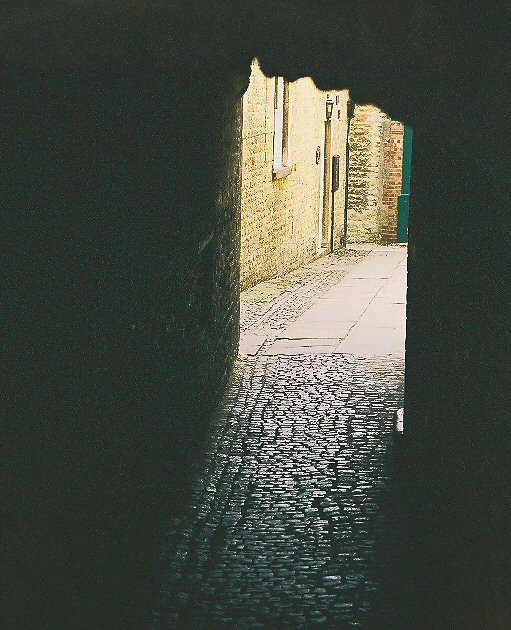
[(387, 53)]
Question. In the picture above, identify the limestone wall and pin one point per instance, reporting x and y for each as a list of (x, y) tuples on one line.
[(370, 129), (280, 228)]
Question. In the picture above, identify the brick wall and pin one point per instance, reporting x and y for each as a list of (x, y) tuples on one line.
[(281, 218), (393, 158)]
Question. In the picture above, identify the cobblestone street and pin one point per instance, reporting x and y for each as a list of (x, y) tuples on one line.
[(292, 522)]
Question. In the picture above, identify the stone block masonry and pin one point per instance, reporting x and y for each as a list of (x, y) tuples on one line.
[(376, 154), (393, 157), (369, 130), (281, 217)]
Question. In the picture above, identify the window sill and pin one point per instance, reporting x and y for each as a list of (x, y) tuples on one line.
[(283, 171)]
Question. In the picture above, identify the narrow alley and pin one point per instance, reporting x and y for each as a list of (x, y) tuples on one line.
[(291, 523), (177, 173)]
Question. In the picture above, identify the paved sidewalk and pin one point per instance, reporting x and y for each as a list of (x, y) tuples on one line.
[(292, 522), (270, 306), (364, 313)]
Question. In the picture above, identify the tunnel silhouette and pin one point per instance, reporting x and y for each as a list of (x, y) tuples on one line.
[(121, 143)]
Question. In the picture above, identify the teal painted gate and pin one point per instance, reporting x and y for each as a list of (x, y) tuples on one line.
[(403, 202)]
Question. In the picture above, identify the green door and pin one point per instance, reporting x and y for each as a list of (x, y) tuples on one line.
[(403, 201)]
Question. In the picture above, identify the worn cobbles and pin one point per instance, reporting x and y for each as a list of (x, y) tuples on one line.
[(291, 509)]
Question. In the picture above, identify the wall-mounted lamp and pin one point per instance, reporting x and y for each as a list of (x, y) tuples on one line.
[(329, 107)]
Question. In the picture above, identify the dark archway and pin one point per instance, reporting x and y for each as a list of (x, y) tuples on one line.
[(120, 146)]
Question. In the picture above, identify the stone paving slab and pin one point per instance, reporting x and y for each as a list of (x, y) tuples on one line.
[(367, 344), (336, 309), (302, 345), (364, 312), (310, 330), (251, 342), (270, 306), (344, 291)]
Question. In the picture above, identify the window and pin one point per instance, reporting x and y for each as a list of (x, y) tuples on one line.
[(280, 141)]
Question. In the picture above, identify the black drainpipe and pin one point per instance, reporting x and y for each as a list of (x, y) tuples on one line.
[(335, 187), (351, 112)]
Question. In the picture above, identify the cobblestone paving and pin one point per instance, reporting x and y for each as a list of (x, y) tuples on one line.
[(291, 521)]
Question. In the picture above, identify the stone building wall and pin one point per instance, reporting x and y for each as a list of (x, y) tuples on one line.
[(376, 155), (281, 218), (393, 159), (370, 130)]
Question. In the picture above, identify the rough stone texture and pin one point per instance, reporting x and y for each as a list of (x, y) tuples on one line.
[(374, 182), (122, 295), (393, 177), (291, 521), (369, 133), (280, 221)]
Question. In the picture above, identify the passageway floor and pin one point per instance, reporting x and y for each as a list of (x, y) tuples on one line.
[(292, 522)]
